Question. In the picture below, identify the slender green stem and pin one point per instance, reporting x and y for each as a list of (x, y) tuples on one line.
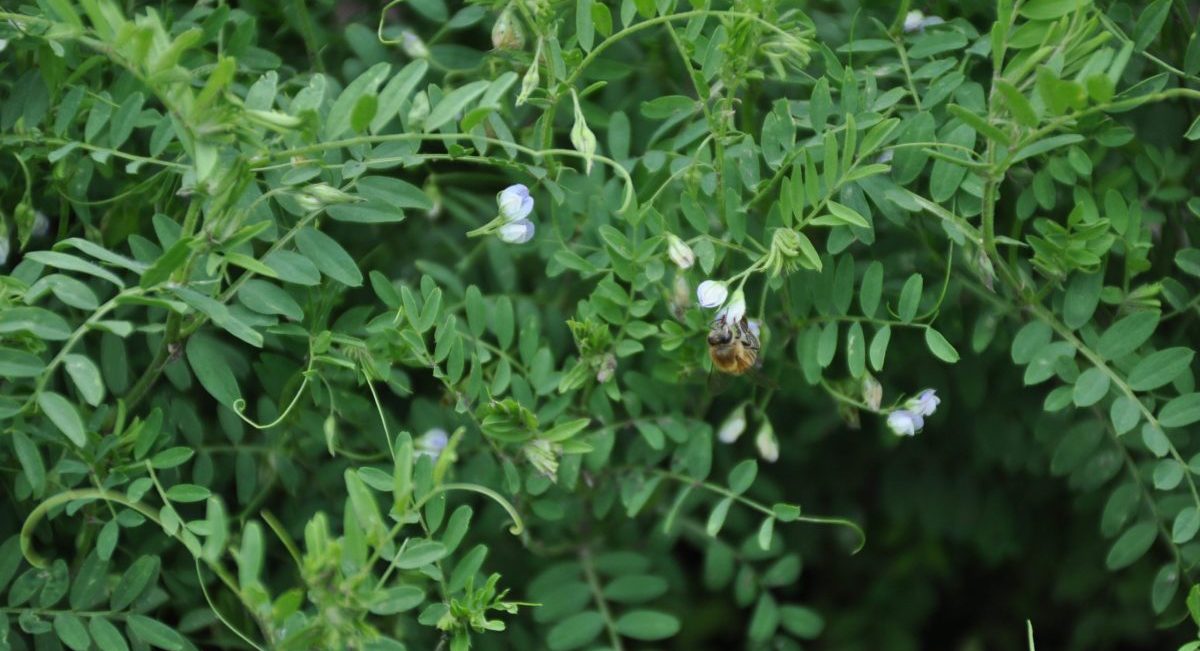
[(761, 508), (589, 571)]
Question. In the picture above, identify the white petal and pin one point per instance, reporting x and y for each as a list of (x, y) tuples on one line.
[(518, 232), (515, 203), (711, 293), (736, 309), (912, 21)]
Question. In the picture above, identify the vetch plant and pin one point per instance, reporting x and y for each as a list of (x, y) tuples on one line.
[(274, 376)]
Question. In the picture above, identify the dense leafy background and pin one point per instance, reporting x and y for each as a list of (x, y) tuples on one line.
[(240, 293)]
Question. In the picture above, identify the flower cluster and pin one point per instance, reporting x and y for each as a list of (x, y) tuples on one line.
[(909, 420), (512, 224)]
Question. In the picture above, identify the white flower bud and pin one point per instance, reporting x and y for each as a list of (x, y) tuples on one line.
[(733, 427), (904, 422), (916, 21), (41, 224), (767, 444), (679, 252), (711, 293), (507, 33), (518, 232), (514, 202), (412, 45)]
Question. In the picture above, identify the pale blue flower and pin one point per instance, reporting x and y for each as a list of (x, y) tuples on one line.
[(924, 404), (904, 422), (517, 232), (432, 443), (515, 203)]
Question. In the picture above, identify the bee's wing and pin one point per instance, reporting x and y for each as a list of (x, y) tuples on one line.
[(756, 375)]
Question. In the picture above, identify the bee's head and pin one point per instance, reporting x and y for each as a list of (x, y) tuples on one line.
[(719, 336)]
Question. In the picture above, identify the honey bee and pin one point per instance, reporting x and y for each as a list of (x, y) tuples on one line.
[(733, 347)]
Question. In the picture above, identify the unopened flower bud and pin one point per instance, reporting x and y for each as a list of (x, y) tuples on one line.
[(872, 391), (767, 444), (679, 252), (273, 119), (434, 193), (41, 224), (412, 45), (733, 427), (607, 368), (419, 109), (681, 297), (308, 203), (327, 194), (507, 33), (530, 81), (582, 137)]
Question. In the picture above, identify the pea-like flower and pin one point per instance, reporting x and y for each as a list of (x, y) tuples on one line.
[(514, 205), (679, 252), (733, 427), (767, 444), (917, 21), (924, 404), (518, 232), (711, 293), (735, 310), (515, 202), (905, 423), (432, 443)]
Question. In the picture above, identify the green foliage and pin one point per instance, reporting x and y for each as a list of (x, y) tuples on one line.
[(249, 251)]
